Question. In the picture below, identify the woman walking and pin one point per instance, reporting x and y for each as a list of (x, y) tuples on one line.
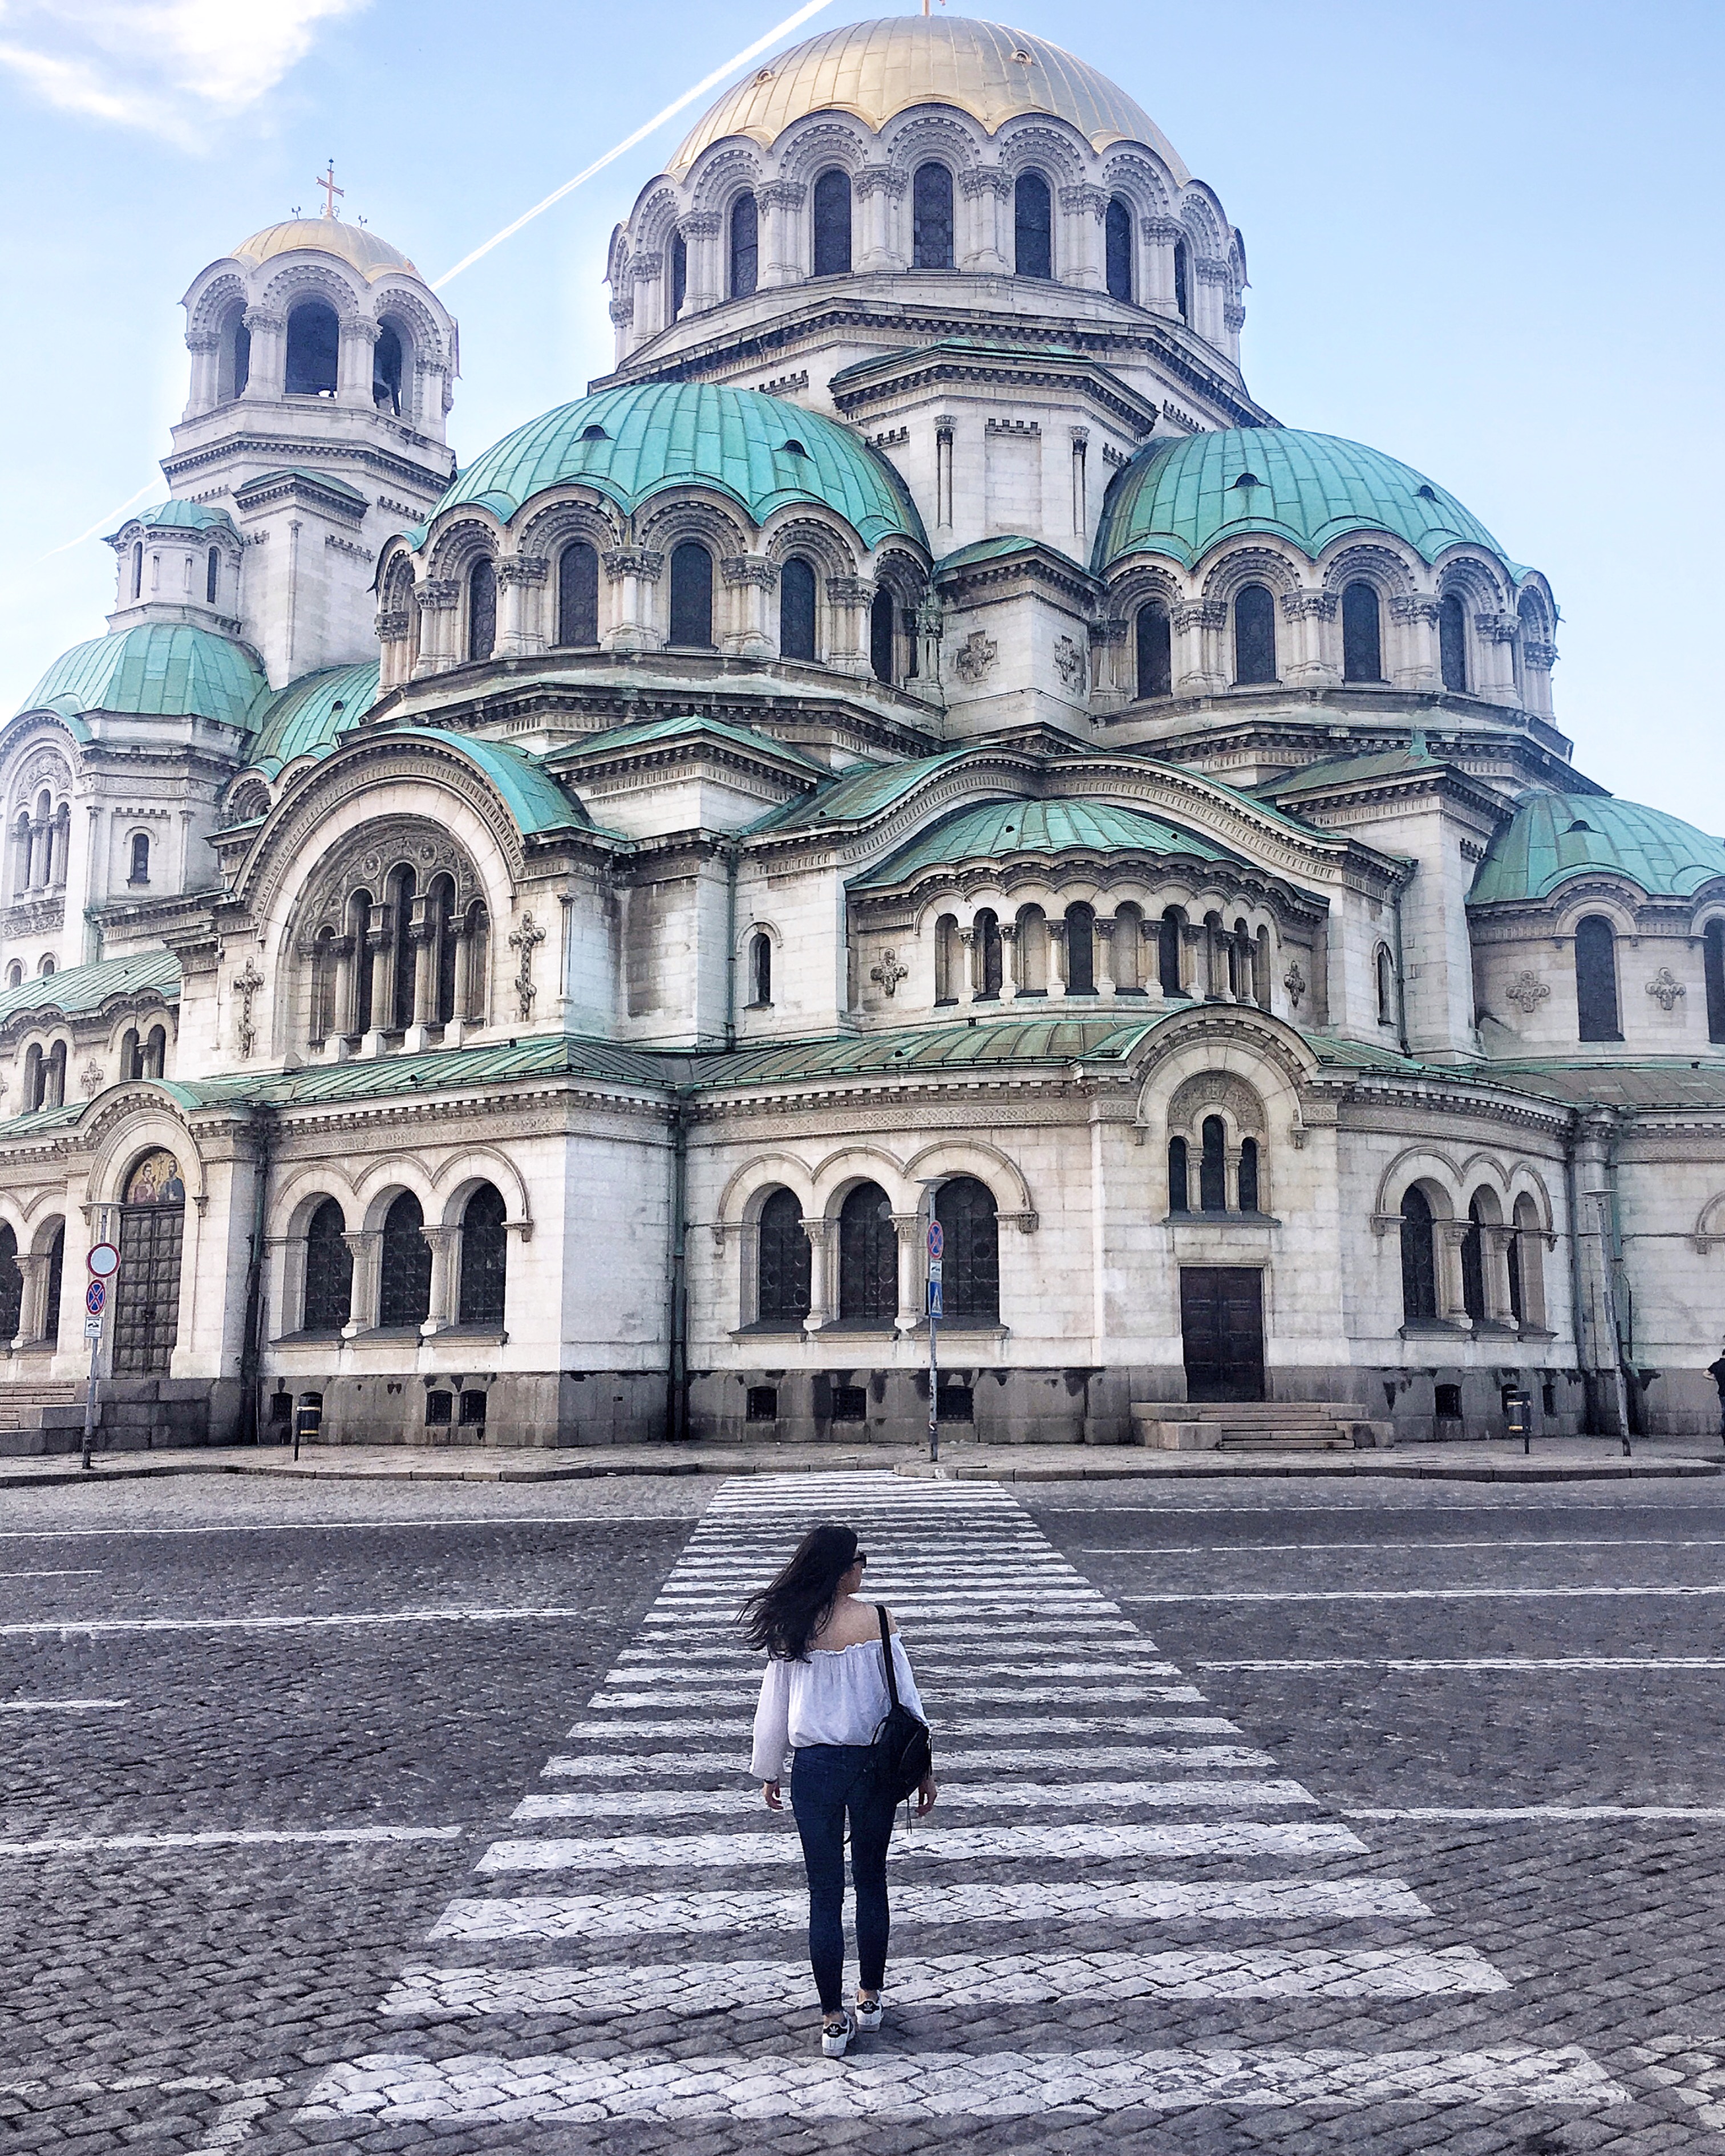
[(823, 1697)]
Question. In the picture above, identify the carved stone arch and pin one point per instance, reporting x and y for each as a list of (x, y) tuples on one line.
[(1618, 900), (671, 517), (830, 545), (1217, 1092), (457, 544), (728, 170), (368, 858), (1141, 582), (1436, 1172), (45, 1214), (458, 1176), (913, 138), (542, 527), (1473, 579), (949, 1157), (650, 225), (1034, 145), (1709, 1223), (823, 142), (401, 306), (900, 573), (317, 281), (1238, 1037), (1206, 227), (42, 766), (128, 1120), (1535, 611), (300, 1194), (1139, 180), (213, 306), (382, 1183), (1387, 570), (947, 898), (248, 797), (842, 1170), (741, 1200), (1708, 905), (1239, 566)]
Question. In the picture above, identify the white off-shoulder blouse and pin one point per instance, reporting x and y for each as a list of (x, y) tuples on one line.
[(835, 1696)]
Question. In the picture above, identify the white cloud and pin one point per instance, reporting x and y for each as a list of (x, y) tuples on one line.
[(171, 66)]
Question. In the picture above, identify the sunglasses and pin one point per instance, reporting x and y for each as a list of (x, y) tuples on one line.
[(861, 1558)]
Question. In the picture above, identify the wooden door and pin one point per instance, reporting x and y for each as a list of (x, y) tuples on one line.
[(1222, 1325), (146, 1290)]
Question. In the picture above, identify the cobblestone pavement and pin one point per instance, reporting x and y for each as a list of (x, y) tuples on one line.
[(1379, 1817)]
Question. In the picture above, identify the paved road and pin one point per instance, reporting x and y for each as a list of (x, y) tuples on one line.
[(353, 1818)]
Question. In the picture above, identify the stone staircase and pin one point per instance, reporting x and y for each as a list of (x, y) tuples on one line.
[(40, 1415), (1257, 1426), (136, 1414)]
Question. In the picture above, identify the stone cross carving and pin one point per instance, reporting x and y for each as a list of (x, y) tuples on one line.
[(1294, 981), (1667, 988), (1527, 990), (92, 1080), (889, 973), (248, 980), (526, 939), (975, 657)]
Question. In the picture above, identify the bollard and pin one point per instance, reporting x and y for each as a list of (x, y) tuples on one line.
[(1519, 1406), (308, 1420)]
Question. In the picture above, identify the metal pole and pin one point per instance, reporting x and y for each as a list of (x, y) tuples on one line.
[(934, 1384), (86, 1460), (1608, 1295)]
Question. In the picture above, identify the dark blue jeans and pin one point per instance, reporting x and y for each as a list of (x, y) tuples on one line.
[(828, 1781)]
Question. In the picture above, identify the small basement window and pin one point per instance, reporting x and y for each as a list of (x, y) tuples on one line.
[(955, 1404), (473, 1410), (1449, 1402), (851, 1403), (439, 1407), (281, 1407), (763, 1403)]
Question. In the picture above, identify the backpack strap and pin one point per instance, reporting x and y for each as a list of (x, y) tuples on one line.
[(886, 1654)]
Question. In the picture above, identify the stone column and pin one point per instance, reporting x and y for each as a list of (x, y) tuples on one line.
[(1213, 282), (1080, 260), (1415, 662), (355, 362), (377, 956), (520, 606), (968, 984), (335, 1046), (1495, 635), (703, 237), (445, 1241), (424, 933), (1304, 615), (463, 932), (33, 1312), (781, 248), (1195, 625), (876, 188), (40, 829), (1058, 955), (1230, 1176), (850, 599), (1009, 961), (986, 190), (438, 599), (647, 283), (394, 626), (750, 580), (1495, 1238), (1157, 236), (633, 572), (1538, 657), (930, 622), (1452, 1298), (266, 370), (365, 1243), (205, 346), (822, 1285), (1106, 984), (622, 311), (910, 1229)]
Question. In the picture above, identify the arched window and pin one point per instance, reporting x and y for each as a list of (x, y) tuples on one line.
[(386, 372), (691, 596), (1712, 963), (479, 948), (56, 1277), (440, 922), (54, 1076), (404, 1270), (1419, 1260), (139, 872), (782, 1262), (1452, 643), (795, 607), (1081, 950), (990, 972), (1032, 227), (314, 344), (1473, 1263), (970, 1262), (1117, 249), (579, 594), (481, 609), (1362, 634), (1249, 1175), (1596, 979), (947, 959), (1526, 1267), (329, 1271), (46, 965), (760, 971), (137, 568), (1386, 986), (868, 1258), (1156, 651), (15, 975), (881, 654), (32, 1077), (1182, 281), (236, 356), (679, 273), (1179, 1177), (1033, 951), (1213, 1166), (131, 1054), (156, 1052), (11, 1286), (745, 246), (832, 225), (212, 573), (1168, 950), (1127, 963), (484, 1258), (359, 917), (931, 217), (1254, 635)]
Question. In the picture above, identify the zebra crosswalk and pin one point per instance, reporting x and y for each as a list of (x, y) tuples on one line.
[(1086, 1855)]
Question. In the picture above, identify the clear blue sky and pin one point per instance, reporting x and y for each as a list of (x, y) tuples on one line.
[(1483, 238)]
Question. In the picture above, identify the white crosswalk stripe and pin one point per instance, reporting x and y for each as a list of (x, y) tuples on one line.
[(1041, 1691)]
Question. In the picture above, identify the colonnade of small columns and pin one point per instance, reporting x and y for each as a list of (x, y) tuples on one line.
[(443, 1238), (1134, 952), (367, 957), (41, 843)]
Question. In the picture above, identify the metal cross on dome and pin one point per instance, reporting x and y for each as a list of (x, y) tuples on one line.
[(326, 181)]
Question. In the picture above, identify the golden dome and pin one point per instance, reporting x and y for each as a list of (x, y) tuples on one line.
[(356, 244), (876, 69)]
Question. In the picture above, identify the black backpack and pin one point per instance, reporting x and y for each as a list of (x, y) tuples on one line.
[(903, 1753)]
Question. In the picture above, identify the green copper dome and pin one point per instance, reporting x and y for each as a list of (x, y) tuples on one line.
[(997, 830), (631, 444), (1182, 497), (304, 718), (157, 669), (1552, 837)]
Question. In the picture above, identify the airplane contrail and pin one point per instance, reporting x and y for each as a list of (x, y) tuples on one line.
[(707, 83)]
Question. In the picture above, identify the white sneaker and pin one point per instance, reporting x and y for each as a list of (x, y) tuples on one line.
[(836, 2034), (868, 2016)]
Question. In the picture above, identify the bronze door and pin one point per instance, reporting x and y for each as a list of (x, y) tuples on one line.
[(147, 1289), (1222, 1325)]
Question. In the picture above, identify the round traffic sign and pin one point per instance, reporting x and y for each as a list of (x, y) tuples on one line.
[(95, 1297), (103, 1261), (936, 1238)]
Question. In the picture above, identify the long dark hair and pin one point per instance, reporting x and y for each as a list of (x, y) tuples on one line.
[(786, 1615)]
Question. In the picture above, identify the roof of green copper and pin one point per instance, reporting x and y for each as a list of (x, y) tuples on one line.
[(175, 516), (304, 718), (156, 669), (1552, 837), (1182, 497), (1019, 1041), (326, 480), (1001, 827), (78, 989), (658, 434), (529, 792), (1652, 1083), (859, 792), (689, 726), (997, 549)]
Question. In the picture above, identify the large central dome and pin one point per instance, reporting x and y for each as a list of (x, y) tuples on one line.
[(876, 69)]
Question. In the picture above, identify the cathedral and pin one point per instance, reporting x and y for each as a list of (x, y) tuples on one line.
[(521, 954)]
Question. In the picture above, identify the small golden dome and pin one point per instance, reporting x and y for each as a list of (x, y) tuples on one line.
[(876, 69), (356, 244)]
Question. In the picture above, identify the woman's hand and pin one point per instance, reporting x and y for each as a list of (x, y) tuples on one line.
[(926, 1791), (775, 1803)]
